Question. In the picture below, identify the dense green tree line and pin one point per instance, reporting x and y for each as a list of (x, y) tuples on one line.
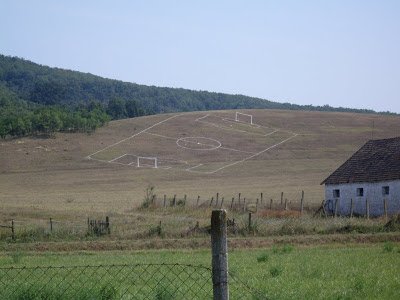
[(43, 85), (48, 120), (21, 118)]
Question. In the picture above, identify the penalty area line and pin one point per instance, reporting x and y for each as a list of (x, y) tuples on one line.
[(132, 136), (114, 159), (254, 155), (191, 168)]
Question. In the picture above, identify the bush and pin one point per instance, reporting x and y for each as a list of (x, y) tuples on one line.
[(263, 257), (149, 196), (388, 247), (286, 248), (275, 271)]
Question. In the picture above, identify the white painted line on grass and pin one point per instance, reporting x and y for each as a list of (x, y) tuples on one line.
[(136, 134), (254, 155), (191, 168), (236, 150), (272, 132), (117, 158), (160, 135), (198, 119)]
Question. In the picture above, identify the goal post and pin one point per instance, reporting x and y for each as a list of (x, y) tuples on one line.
[(143, 161), (243, 118)]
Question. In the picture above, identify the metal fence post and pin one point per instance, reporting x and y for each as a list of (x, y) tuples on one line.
[(219, 249)]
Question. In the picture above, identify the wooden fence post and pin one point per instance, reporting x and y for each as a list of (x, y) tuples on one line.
[(244, 204), (261, 198), (336, 205), (249, 222), (51, 225), (12, 230), (270, 204), (367, 208), (165, 200), (351, 208), (198, 200), (233, 200), (239, 199), (88, 224), (174, 201), (219, 250), (211, 201), (385, 208), (302, 203), (217, 200), (281, 198), (108, 225), (222, 202)]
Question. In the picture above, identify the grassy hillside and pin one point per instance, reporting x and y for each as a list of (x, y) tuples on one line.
[(56, 174)]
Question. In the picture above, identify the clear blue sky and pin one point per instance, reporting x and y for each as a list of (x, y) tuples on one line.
[(342, 53)]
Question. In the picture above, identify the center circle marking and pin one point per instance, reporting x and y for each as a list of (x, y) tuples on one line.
[(198, 143)]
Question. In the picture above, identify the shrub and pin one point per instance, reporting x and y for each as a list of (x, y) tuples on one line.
[(286, 248), (275, 271), (149, 196), (263, 257), (388, 247)]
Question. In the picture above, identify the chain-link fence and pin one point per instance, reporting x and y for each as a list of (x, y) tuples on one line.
[(138, 281)]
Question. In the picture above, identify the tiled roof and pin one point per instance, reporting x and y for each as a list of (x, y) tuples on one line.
[(377, 160)]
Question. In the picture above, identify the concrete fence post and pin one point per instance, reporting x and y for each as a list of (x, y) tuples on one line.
[(219, 249)]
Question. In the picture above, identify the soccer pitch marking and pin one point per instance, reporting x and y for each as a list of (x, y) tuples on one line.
[(195, 145), (235, 122)]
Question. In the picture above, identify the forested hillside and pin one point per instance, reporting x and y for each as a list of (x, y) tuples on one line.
[(40, 99)]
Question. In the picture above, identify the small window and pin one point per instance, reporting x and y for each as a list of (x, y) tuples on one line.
[(360, 192), (385, 190), (336, 193)]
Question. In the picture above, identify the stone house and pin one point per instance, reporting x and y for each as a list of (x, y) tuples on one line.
[(370, 177)]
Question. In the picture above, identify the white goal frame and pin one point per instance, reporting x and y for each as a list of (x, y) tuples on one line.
[(247, 115), (155, 166)]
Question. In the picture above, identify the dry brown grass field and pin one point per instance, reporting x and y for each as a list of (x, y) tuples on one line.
[(72, 176)]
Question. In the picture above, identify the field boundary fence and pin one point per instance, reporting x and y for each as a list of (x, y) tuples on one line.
[(133, 281), (239, 202), (127, 281)]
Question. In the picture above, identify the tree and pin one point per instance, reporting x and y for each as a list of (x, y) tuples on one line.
[(116, 109)]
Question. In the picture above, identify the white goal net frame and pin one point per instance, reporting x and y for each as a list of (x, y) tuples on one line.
[(247, 117), (151, 162)]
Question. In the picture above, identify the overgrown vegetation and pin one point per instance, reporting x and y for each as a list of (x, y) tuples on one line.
[(149, 196)]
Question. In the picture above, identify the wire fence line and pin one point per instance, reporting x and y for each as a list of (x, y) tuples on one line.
[(135, 281)]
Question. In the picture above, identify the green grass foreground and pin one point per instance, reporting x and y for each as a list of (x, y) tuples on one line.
[(281, 272)]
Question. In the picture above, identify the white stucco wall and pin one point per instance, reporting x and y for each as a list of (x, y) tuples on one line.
[(372, 192)]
